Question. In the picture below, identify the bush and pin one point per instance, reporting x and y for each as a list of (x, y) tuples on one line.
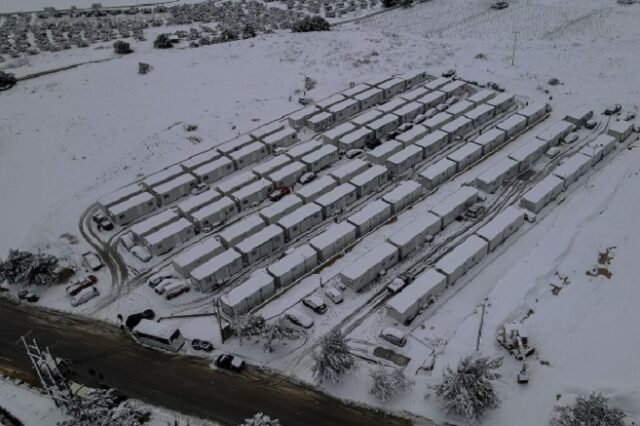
[(311, 23), (143, 68), (122, 47), (163, 41), (29, 268), (7, 80), (333, 360), (592, 410), (228, 35)]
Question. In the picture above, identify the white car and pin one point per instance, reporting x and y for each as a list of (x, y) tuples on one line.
[(334, 294), (430, 113), (84, 296), (571, 138), (419, 118), (299, 318), (306, 178), (394, 336), (141, 253), (127, 241), (442, 107), (166, 285)]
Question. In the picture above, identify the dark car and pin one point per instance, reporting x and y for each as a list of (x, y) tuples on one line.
[(279, 193), (105, 224), (148, 314), (229, 362), (499, 5), (28, 296), (201, 345)]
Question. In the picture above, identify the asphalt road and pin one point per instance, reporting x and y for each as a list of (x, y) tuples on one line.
[(181, 383)]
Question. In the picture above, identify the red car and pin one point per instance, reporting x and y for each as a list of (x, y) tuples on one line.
[(76, 288), (105, 224), (178, 291), (279, 193)]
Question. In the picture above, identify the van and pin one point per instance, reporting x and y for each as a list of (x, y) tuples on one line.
[(84, 296), (160, 288), (394, 336)]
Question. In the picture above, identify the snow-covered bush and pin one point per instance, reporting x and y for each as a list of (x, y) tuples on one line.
[(593, 410), (249, 326), (143, 68), (388, 383), (163, 41), (122, 47), (333, 360), (469, 390), (7, 80), (311, 23), (260, 419), (280, 330), (104, 407), (29, 268)]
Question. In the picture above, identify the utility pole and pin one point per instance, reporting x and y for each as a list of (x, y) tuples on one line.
[(219, 320), (515, 42)]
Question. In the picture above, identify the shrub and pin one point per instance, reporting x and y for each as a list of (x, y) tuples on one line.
[(592, 410), (163, 41), (7, 80), (143, 68), (311, 23), (122, 47)]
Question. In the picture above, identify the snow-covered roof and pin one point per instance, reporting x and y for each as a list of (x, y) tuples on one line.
[(463, 195), (247, 150), (198, 251), (378, 80), (336, 194), (464, 152), (331, 100), (412, 134), (213, 208), (620, 127), (547, 185), (121, 194), (279, 135), (455, 124), (367, 117), (460, 107), (259, 238), (439, 167), (414, 94), (257, 187), (242, 227), (481, 96), (319, 117), (597, 145), (552, 132), (457, 257), (288, 170), (512, 122), (339, 130), (271, 165), (342, 105), (212, 166), (382, 121), (532, 109), (437, 83), (153, 222), (438, 119), (355, 135), (153, 328), (200, 159), (134, 201), (530, 146), (322, 185), (367, 94), (391, 83), (216, 263), (409, 108), (298, 257), (404, 189), (358, 88), (268, 129), (235, 144), (478, 111), (500, 99), (404, 154), (304, 113), (163, 175), (369, 212), (332, 234), (236, 181), (432, 138), (422, 223), (300, 215), (498, 169), (373, 172), (386, 149), (452, 86), (370, 260), (303, 149), (571, 165), (431, 97), (177, 182), (391, 105), (286, 204), (254, 285), (421, 286), (500, 223), (489, 136), (170, 230), (324, 151)]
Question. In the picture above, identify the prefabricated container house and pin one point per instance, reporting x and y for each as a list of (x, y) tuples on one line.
[(288, 175), (405, 305), (554, 134), (274, 212), (313, 190), (217, 169), (392, 87), (370, 180), (413, 78), (321, 158), (404, 160), (412, 135), (300, 220), (178, 187), (348, 170), (132, 208), (337, 199), (366, 117), (152, 224), (293, 266), (217, 270), (403, 196), (249, 154), (498, 229), (164, 175), (433, 142), (333, 240), (369, 98), (410, 237), (499, 173), (196, 255), (235, 182), (300, 150), (465, 156), (344, 110), (534, 112), (481, 96), (457, 127), (251, 293), (261, 244), (432, 99), (437, 173), (198, 160), (299, 118), (579, 117), (261, 133), (414, 94), (490, 140), (169, 237), (356, 139), (409, 111), (501, 102), (542, 193), (231, 235), (330, 101), (381, 153), (454, 205), (513, 125), (368, 267), (391, 105), (572, 168), (462, 258), (460, 108), (281, 138), (214, 213), (370, 217), (620, 130), (235, 144), (437, 121), (384, 125), (270, 166), (120, 195), (598, 148), (320, 121), (529, 153), (333, 135), (480, 114), (453, 88), (358, 88), (437, 83)]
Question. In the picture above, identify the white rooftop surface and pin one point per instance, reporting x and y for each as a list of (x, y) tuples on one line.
[(405, 153), (511, 122), (409, 108), (236, 181), (378, 80), (500, 98), (339, 130), (248, 288), (214, 165), (335, 194), (214, 264), (283, 205), (333, 233), (331, 100), (390, 83), (163, 175), (431, 138), (367, 94), (136, 200), (369, 260), (497, 225), (464, 152), (497, 169), (553, 130), (203, 157), (460, 254), (391, 105), (252, 188), (268, 129), (303, 149), (153, 222), (430, 97), (198, 250), (116, 196), (529, 146), (319, 154), (437, 168), (488, 136), (355, 135), (231, 232), (349, 168), (454, 200), (437, 119), (358, 88), (259, 238), (437, 83), (620, 126), (287, 263), (153, 328), (571, 165), (271, 165), (542, 188), (280, 134), (479, 110), (235, 144), (169, 230), (455, 124), (415, 93), (385, 149), (481, 96), (300, 214), (316, 186), (212, 208), (402, 190), (423, 283), (368, 212), (382, 121), (411, 134), (406, 234), (304, 112), (372, 172), (248, 149), (342, 105), (460, 106), (532, 109), (451, 86), (287, 170), (319, 117), (367, 117)]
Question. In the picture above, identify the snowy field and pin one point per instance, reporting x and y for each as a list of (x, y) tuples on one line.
[(8, 6), (68, 138)]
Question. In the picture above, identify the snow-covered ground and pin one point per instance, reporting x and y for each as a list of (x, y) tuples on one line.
[(67, 138)]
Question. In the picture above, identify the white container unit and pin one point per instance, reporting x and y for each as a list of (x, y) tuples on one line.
[(251, 293), (313, 190), (542, 193), (367, 117), (192, 204), (355, 139), (293, 266), (320, 159), (579, 117), (413, 78), (433, 142), (500, 173), (299, 118), (333, 135), (513, 125), (270, 166), (320, 121), (412, 135), (437, 83), (337, 199), (414, 94), (381, 153), (261, 244), (620, 130), (348, 170), (403, 196), (457, 127), (460, 108), (600, 147), (235, 182), (344, 110), (178, 187), (300, 150), (534, 112), (465, 156), (288, 175), (217, 270), (358, 88), (235, 144), (529, 153), (120, 195), (480, 114), (463, 257), (490, 140), (152, 224), (501, 102), (331, 100), (405, 305), (281, 138), (554, 134), (453, 88), (196, 255), (333, 240), (132, 208), (370, 180), (369, 98), (384, 125), (454, 205), (199, 159), (301, 220), (249, 154), (215, 170), (430, 100), (409, 111), (368, 267), (370, 217), (437, 121), (410, 237), (274, 212), (267, 130), (214, 213), (438, 173), (404, 160), (572, 168), (169, 237), (498, 229), (231, 235), (392, 87), (164, 175), (391, 105), (481, 96)]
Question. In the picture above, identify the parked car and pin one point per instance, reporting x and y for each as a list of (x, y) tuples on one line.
[(141, 253), (164, 284), (77, 287), (571, 137), (475, 210), (229, 362), (591, 124), (177, 291), (279, 151), (629, 116), (499, 5), (201, 345), (28, 296), (92, 260), (430, 113), (612, 109), (334, 294), (306, 178), (98, 217), (105, 224), (199, 189), (530, 217), (299, 318), (442, 107), (127, 241), (353, 153), (394, 336), (400, 282), (405, 127), (449, 73), (315, 303), (419, 118), (279, 193), (157, 279), (553, 152), (84, 296)]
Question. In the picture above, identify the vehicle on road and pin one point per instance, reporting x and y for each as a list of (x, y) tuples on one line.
[(229, 362), (353, 153), (84, 296), (28, 296), (78, 286), (178, 291), (141, 253), (279, 193), (612, 109), (498, 5), (316, 304), (334, 294), (474, 211), (306, 178), (394, 336), (571, 138), (201, 345), (299, 318), (92, 260)]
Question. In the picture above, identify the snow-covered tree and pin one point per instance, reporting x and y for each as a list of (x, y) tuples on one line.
[(280, 330), (593, 410), (7, 80), (104, 407), (333, 360), (388, 383), (469, 390), (30, 268), (260, 419), (249, 326)]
